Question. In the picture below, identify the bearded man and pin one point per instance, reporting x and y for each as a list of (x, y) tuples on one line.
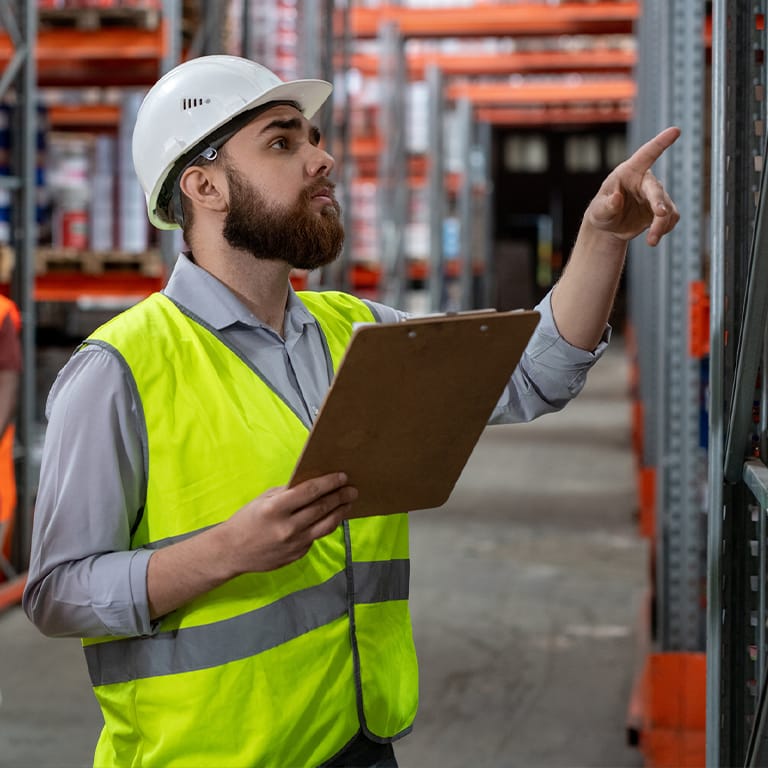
[(227, 619)]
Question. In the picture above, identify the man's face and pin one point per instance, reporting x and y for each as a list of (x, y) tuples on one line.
[(281, 201)]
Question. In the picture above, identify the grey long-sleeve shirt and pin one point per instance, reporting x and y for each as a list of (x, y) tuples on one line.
[(83, 581)]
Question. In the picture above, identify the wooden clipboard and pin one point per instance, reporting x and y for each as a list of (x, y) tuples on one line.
[(408, 404)]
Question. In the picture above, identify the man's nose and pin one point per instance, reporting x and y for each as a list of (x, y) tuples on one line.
[(321, 162)]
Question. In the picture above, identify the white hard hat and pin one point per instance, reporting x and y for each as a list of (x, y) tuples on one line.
[(191, 102)]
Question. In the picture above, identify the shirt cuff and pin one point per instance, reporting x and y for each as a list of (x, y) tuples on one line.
[(137, 576)]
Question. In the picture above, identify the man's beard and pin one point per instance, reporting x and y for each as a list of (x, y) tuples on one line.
[(296, 235)]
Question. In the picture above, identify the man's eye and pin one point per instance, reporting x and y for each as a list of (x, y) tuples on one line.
[(279, 144)]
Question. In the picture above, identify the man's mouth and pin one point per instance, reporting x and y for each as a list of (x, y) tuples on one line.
[(324, 195)]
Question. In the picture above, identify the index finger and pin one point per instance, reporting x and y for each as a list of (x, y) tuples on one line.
[(652, 150), (307, 491)]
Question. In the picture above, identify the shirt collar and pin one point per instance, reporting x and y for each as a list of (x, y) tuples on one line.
[(207, 297)]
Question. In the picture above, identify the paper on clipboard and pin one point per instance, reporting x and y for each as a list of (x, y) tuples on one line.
[(408, 404)]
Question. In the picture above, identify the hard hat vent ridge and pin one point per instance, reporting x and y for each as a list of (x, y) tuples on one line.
[(188, 103)]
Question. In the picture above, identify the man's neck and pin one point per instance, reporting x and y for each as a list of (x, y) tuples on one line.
[(261, 285)]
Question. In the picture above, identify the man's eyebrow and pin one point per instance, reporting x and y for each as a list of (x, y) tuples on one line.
[(292, 124), (289, 124)]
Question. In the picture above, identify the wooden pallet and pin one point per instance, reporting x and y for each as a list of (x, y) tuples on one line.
[(99, 18), (66, 260)]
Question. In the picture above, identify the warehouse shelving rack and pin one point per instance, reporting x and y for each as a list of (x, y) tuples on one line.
[(738, 586), (528, 104), (19, 21), (703, 390), (471, 89), (383, 160), (98, 57), (398, 174)]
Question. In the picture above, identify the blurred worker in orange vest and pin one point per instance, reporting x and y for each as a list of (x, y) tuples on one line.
[(10, 373)]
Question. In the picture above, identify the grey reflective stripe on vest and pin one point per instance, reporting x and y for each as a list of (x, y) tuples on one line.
[(211, 645), (381, 580)]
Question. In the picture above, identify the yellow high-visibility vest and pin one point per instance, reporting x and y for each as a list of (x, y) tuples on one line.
[(281, 668)]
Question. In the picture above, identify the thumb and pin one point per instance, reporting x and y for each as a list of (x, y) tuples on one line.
[(606, 207)]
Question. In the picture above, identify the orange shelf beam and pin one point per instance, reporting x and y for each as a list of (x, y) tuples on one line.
[(364, 277), (72, 286), (365, 146), (84, 116), (493, 19), (368, 276), (112, 55), (608, 60), (564, 92), (555, 116), (106, 43)]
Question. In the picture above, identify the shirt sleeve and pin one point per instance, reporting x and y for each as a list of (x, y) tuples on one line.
[(83, 580), (385, 314), (551, 372)]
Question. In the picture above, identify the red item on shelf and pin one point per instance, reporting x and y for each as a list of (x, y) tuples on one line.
[(74, 229)]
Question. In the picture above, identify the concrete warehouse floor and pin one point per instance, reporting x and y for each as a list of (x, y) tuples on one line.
[(526, 589)]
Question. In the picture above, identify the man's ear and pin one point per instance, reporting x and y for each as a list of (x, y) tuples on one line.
[(204, 186)]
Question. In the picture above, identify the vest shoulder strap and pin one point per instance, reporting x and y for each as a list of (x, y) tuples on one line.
[(336, 305)]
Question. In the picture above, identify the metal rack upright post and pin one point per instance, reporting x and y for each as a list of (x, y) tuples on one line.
[(672, 374), (392, 165), (671, 90)]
